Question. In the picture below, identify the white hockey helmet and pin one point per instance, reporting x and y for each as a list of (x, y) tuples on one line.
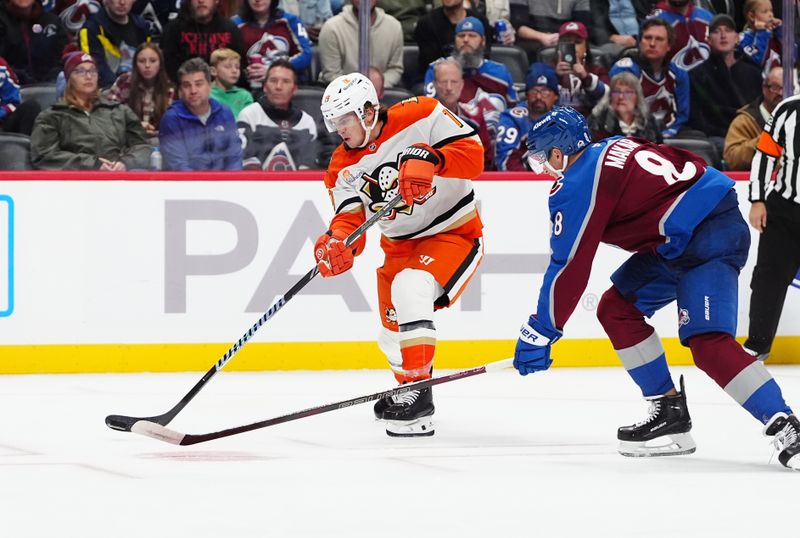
[(349, 93)]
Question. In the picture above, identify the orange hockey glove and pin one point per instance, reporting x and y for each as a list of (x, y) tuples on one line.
[(333, 257), (418, 164)]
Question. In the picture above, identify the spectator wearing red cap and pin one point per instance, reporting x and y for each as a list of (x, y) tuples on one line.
[(111, 36), (31, 40), (84, 131), (582, 83), (537, 21)]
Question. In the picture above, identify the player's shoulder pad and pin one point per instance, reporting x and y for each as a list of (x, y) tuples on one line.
[(339, 160), (411, 110)]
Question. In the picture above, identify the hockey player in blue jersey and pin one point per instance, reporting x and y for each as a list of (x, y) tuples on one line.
[(681, 221)]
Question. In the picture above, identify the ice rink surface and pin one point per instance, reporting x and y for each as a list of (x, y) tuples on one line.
[(512, 456)]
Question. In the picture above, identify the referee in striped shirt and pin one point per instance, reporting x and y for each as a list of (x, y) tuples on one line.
[(775, 213)]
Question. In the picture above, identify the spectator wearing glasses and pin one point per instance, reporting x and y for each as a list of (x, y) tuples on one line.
[(722, 84), (746, 127), (85, 131), (624, 112), (541, 95)]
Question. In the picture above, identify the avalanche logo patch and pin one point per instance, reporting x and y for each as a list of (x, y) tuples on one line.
[(683, 317), (557, 184)]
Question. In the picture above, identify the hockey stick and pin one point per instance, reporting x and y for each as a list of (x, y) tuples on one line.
[(158, 431), (125, 423)]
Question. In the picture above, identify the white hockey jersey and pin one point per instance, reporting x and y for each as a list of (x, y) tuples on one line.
[(362, 180)]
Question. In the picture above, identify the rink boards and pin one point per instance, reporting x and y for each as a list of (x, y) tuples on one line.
[(144, 275)]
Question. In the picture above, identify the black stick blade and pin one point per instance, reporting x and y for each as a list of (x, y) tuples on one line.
[(121, 422)]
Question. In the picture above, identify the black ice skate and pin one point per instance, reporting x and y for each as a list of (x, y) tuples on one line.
[(664, 433), (785, 431), (382, 405), (410, 414)]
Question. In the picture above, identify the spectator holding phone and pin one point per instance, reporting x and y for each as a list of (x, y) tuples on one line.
[(582, 85)]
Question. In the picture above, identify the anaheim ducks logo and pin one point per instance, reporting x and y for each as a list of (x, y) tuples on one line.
[(383, 185)]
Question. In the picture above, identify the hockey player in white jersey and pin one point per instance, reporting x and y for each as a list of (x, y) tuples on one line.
[(432, 241)]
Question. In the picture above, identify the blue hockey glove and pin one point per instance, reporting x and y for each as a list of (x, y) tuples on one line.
[(533, 347)]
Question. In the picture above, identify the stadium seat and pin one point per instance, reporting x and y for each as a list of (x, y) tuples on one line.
[(514, 58), (315, 66), (630, 52), (411, 74), (392, 96), (44, 93), (15, 152), (308, 99), (699, 146), (410, 59)]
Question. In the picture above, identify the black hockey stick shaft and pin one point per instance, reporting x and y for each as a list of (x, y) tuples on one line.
[(124, 423), (157, 431)]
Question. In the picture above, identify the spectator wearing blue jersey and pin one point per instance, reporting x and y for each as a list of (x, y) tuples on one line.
[(541, 95), (665, 86), (197, 132), (479, 73), (15, 116), (761, 38)]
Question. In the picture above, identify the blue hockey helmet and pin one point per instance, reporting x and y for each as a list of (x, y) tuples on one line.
[(563, 128)]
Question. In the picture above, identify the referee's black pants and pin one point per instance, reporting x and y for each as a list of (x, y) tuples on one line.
[(777, 263)]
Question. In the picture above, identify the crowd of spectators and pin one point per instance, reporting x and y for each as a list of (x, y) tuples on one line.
[(211, 83)]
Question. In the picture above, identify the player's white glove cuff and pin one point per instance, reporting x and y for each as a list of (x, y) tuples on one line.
[(532, 336)]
